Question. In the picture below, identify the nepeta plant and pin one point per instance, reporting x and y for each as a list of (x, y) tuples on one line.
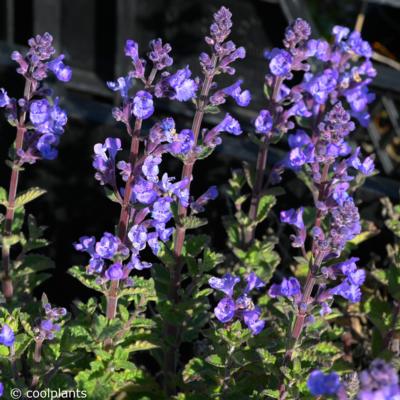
[(210, 325), (39, 123)]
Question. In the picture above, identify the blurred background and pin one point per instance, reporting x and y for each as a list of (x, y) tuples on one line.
[(92, 33)]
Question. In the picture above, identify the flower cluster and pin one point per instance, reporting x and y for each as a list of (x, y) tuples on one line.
[(283, 103), (379, 381), (49, 326), (327, 158), (321, 384), (242, 307), (39, 60), (46, 119), (175, 86), (107, 257)]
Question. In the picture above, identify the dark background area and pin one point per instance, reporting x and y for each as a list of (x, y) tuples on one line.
[(92, 33)]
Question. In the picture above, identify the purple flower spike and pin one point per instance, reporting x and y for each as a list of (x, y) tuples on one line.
[(321, 384), (159, 54), (7, 336), (263, 122), (225, 284), (225, 310), (143, 107), (221, 27)]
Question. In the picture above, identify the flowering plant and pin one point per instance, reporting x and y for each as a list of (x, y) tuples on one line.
[(171, 317)]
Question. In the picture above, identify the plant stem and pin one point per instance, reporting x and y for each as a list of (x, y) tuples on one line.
[(172, 332), (260, 171), (123, 223), (7, 284), (257, 188), (37, 355), (311, 276)]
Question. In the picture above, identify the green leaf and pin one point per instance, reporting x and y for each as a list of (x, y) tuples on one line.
[(28, 195), (37, 262), (193, 222), (194, 244), (205, 152), (141, 345), (80, 274), (19, 215), (215, 360), (110, 194), (249, 174), (22, 341), (264, 206), (3, 196), (210, 109), (210, 260)]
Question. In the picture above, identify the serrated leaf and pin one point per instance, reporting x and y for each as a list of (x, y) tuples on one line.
[(141, 345), (210, 260), (264, 206), (193, 222), (28, 196), (80, 274)]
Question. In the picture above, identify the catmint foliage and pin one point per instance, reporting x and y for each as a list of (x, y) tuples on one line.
[(171, 317)]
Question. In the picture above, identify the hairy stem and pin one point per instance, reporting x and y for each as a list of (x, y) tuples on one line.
[(7, 285), (260, 171), (172, 331)]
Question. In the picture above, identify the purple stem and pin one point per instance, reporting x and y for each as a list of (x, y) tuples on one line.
[(123, 223), (7, 284), (260, 171)]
